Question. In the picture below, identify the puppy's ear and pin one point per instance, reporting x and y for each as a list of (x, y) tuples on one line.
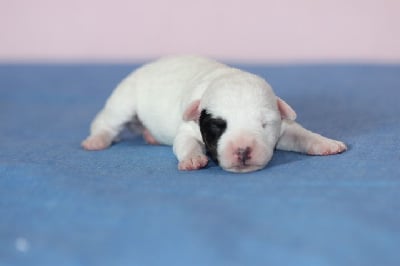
[(192, 112), (286, 111)]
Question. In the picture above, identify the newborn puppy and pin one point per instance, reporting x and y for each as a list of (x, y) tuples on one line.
[(203, 107)]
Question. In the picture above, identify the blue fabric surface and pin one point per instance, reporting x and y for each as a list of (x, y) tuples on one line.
[(129, 205)]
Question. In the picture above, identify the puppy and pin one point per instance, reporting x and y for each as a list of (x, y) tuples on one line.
[(202, 107)]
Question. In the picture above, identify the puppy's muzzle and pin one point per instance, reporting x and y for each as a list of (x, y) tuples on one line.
[(243, 155)]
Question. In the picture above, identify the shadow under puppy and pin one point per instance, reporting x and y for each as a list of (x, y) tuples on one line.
[(204, 107)]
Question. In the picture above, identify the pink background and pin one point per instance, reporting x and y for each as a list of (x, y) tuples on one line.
[(247, 30)]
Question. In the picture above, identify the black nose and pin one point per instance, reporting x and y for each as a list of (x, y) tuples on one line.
[(243, 154)]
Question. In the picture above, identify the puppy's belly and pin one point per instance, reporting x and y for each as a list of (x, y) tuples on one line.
[(161, 124), (159, 108)]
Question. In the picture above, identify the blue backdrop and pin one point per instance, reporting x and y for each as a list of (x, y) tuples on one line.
[(129, 205)]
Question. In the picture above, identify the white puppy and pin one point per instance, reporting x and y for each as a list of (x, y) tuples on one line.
[(204, 107)]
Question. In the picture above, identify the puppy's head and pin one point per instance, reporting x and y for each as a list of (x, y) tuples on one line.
[(240, 121)]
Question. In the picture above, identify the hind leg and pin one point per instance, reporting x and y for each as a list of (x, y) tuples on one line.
[(149, 138), (109, 122), (136, 126)]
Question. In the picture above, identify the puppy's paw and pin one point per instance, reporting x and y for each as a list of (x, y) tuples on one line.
[(327, 146), (193, 163), (149, 138), (97, 142)]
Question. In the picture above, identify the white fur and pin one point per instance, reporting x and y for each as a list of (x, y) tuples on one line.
[(168, 95)]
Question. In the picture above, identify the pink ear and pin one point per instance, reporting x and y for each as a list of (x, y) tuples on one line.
[(192, 112), (286, 111)]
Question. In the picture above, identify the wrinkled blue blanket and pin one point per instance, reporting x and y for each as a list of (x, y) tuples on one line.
[(129, 205)]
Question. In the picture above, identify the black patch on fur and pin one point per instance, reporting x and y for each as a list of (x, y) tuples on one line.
[(211, 129)]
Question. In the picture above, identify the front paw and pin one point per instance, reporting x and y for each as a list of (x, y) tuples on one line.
[(327, 147), (193, 162)]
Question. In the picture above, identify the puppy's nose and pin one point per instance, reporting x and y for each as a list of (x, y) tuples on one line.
[(243, 154)]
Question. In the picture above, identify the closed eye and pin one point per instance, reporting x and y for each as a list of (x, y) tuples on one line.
[(217, 124), (211, 128), (268, 123)]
